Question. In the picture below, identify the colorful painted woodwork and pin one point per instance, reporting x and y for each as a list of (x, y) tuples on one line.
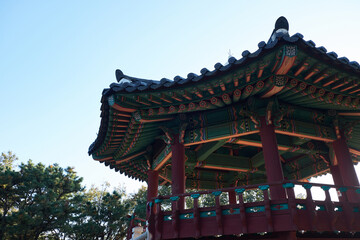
[(308, 94)]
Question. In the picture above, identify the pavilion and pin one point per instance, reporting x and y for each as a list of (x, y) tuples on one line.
[(270, 120)]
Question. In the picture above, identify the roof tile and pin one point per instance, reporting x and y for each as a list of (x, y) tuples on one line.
[(310, 43), (322, 49), (344, 60), (204, 71), (261, 44), (332, 55), (245, 53), (218, 66)]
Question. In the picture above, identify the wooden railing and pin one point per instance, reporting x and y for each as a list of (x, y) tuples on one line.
[(277, 215), (134, 222)]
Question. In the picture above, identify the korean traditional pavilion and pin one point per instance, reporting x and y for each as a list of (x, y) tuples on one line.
[(270, 120)]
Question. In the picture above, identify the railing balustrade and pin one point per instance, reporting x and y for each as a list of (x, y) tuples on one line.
[(288, 214)]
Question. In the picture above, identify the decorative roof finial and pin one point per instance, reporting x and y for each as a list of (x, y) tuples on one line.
[(122, 78), (119, 75), (281, 27)]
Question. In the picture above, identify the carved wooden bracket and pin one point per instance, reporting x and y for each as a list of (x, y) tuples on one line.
[(170, 135)]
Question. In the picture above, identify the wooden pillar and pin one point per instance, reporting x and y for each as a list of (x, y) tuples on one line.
[(346, 166), (178, 169), (152, 190), (232, 197), (153, 182), (273, 166), (335, 172)]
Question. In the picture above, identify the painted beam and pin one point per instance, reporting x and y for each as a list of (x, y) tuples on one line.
[(282, 148), (165, 179), (354, 151), (162, 158), (128, 158), (102, 158), (304, 136), (208, 148), (221, 138), (351, 114), (222, 160), (258, 144), (308, 171), (302, 129), (257, 160), (113, 104)]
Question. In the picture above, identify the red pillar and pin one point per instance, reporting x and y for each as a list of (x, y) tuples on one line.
[(335, 172), (178, 169), (152, 191), (232, 197), (346, 166), (273, 166), (153, 182)]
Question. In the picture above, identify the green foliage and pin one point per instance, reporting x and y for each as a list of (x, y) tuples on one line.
[(101, 215), (36, 199), (138, 201), (39, 202), (255, 195), (7, 160)]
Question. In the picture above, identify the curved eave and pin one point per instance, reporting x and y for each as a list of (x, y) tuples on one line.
[(314, 75)]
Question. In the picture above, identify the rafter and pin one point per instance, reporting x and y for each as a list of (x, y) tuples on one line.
[(226, 162), (209, 148)]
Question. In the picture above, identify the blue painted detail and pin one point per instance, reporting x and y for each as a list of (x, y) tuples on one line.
[(175, 198), (186, 216), (216, 193), (320, 208), (255, 209), (264, 187), (325, 188), (111, 100), (288, 185), (277, 207), (301, 206), (208, 214), (343, 189), (356, 209), (307, 185), (229, 212), (158, 200), (167, 218), (338, 208), (240, 190), (151, 204), (196, 195), (357, 190)]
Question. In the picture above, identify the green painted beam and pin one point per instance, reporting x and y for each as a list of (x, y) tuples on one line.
[(257, 160), (299, 141), (161, 158), (226, 162), (208, 148), (282, 148)]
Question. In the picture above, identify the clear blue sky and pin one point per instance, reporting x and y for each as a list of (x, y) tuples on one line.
[(56, 57)]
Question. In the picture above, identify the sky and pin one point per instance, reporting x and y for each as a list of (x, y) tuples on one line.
[(56, 57)]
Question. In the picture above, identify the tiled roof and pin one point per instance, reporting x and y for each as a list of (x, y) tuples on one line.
[(133, 109), (138, 85), (129, 84)]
